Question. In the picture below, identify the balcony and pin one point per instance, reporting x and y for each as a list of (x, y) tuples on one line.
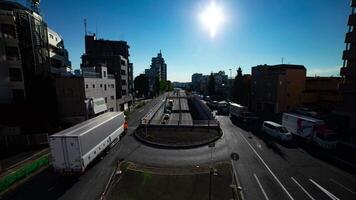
[(349, 55), (352, 20), (350, 37)]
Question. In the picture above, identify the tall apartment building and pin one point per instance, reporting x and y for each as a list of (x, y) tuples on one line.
[(25, 77), (115, 56), (85, 95), (158, 69), (59, 58), (196, 79), (24, 52), (277, 88), (347, 108)]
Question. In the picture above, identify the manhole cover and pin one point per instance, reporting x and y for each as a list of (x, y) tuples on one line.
[(234, 156)]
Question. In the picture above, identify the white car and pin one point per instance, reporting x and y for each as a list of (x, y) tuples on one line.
[(276, 130)]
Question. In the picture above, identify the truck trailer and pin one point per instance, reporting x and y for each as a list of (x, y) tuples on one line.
[(310, 129), (241, 112), (73, 149)]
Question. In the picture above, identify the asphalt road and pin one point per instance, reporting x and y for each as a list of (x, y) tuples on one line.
[(266, 168), (271, 170)]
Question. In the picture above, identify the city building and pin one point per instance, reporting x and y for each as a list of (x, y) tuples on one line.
[(141, 86), (158, 69), (240, 91), (58, 54), (183, 85), (346, 110), (277, 88), (25, 79), (321, 93), (85, 95), (196, 79), (115, 56)]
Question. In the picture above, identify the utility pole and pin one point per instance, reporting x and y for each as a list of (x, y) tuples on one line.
[(85, 26), (230, 73), (282, 60)]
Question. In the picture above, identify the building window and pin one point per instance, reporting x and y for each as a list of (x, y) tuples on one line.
[(104, 73), (51, 36), (15, 74), (86, 86), (101, 85), (8, 31), (123, 82), (106, 100), (112, 85), (123, 92), (104, 86), (12, 53), (18, 95), (112, 97), (93, 85), (123, 72), (56, 39), (123, 62)]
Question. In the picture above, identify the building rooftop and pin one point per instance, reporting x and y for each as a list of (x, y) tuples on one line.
[(283, 66)]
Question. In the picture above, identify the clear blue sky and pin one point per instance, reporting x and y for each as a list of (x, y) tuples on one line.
[(307, 32)]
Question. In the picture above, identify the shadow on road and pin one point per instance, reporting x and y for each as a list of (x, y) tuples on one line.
[(254, 129), (46, 185)]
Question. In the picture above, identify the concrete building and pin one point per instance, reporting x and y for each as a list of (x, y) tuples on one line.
[(158, 69), (85, 95), (196, 79), (241, 88), (277, 88), (114, 55), (321, 93), (24, 51), (58, 54), (347, 107)]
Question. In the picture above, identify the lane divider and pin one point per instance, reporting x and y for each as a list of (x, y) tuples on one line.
[(331, 195), (259, 184), (301, 187), (270, 171)]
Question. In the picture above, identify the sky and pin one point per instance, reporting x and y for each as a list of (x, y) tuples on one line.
[(306, 32)]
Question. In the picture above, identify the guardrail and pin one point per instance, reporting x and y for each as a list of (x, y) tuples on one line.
[(151, 113), (21, 173), (192, 123)]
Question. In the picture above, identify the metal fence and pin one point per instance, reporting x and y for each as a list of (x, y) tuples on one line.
[(12, 141), (193, 123)]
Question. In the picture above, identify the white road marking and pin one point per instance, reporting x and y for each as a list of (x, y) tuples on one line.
[(301, 187), (341, 185), (259, 184), (270, 171), (332, 196), (141, 110)]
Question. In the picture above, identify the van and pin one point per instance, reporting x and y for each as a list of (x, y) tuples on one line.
[(276, 130)]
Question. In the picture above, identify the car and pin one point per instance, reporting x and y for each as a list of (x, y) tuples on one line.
[(276, 130)]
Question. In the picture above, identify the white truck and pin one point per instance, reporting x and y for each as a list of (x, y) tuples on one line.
[(241, 112), (310, 129), (73, 149)]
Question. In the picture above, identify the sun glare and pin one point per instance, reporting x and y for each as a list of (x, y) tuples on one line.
[(212, 18)]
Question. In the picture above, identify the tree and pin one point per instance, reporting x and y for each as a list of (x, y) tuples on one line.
[(157, 86), (211, 85), (162, 86), (240, 90), (169, 85), (141, 84)]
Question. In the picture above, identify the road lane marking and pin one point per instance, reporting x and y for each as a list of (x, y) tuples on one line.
[(141, 110), (301, 187), (341, 185), (259, 184), (270, 171), (331, 195)]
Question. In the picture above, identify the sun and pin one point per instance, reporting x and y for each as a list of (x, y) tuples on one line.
[(212, 18)]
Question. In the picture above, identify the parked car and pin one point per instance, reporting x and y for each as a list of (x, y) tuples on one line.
[(276, 130)]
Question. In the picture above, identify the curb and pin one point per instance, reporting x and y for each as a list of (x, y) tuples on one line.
[(173, 146)]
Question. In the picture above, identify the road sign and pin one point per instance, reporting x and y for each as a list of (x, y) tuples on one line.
[(234, 156)]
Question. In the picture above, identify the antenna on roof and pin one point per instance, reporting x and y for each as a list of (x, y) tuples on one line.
[(282, 60), (85, 26), (96, 29), (35, 5)]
